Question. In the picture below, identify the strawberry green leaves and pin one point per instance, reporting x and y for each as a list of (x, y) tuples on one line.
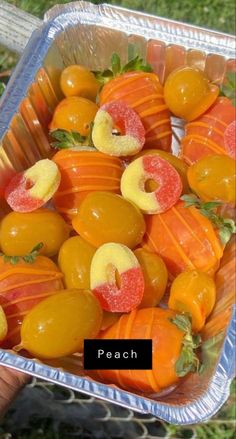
[(71, 139), (66, 139), (226, 226), (135, 63), (29, 258), (228, 88), (188, 360)]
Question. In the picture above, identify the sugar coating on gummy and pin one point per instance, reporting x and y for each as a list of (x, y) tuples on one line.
[(109, 259), (154, 168), (118, 114), (32, 188), (230, 139)]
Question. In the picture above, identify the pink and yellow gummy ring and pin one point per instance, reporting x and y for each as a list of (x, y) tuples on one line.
[(116, 278), (154, 169), (131, 136), (31, 189)]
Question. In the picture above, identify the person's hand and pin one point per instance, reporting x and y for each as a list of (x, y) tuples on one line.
[(11, 381)]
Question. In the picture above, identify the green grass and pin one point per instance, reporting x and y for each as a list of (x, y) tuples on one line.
[(215, 14)]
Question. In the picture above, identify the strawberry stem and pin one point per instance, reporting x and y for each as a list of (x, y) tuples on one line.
[(71, 139), (188, 360), (228, 89), (226, 226), (29, 258), (135, 63)]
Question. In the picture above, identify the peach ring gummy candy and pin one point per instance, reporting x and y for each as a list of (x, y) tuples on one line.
[(31, 189), (118, 115), (116, 278), (162, 178)]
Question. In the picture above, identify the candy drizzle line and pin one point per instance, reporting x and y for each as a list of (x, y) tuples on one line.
[(226, 226)]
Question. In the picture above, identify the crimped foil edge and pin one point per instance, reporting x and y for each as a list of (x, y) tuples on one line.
[(199, 410), (218, 391), (132, 22), (140, 23)]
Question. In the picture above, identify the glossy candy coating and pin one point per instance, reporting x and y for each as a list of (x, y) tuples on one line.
[(76, 80), (58, 326), (207, 135), (21, 232), (193, 292), (74, 259), (83, 172), (22, 286), (74, 114), (185, 239), (188, 93), (143, 92), (106, 217), (167, 344), (214, 178), (155, 277)]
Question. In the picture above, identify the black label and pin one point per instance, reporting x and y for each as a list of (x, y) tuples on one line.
[(118, 354)]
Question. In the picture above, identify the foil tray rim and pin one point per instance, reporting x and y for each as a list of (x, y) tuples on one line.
[(130, 22), (146, 25), (55, 21), (86, 6), (184, 414)]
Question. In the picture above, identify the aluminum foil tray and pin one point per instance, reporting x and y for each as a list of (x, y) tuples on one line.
[(84, 33)]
